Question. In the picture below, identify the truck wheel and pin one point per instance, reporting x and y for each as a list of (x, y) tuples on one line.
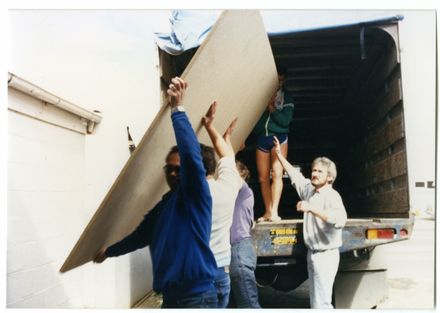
[(282, 278), (265, 276), (290, 277)]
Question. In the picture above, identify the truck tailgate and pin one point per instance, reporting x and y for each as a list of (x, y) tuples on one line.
[(284, 238)]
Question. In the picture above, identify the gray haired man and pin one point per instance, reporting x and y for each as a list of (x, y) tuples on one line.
[(324, 218)]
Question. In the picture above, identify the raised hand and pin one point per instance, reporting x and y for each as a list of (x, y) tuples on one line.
[(231, 128), (228, 132), (277, 146), (209, 116), (221, 145), (176, 91)]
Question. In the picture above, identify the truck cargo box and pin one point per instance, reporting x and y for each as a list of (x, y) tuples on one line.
[(346, 87)]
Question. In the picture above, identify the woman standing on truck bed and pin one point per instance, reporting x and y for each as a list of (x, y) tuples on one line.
[(275, 121)]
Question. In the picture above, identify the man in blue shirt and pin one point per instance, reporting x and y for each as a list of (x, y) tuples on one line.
[(178, 228)]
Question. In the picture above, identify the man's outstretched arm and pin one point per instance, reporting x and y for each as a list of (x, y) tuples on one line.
[(138, 239), (228, 133), (286, 165), (297, 179), (222, 148), (192, 172)]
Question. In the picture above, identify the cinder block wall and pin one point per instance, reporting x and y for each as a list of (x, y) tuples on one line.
[(45, 200), (56, 184), (47, 212)]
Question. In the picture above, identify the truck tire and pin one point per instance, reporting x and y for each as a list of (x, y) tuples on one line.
[(283, 278)]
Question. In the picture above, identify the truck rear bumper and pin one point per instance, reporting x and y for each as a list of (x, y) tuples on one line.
[(285, 239)]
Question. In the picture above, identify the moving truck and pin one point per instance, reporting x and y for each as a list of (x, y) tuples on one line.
[(346, 84)]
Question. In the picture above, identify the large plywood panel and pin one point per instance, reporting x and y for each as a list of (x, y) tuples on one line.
[(235, 67)]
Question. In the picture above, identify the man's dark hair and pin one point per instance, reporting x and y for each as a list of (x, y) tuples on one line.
[(174, 149), (281, 69), (209, 161), (208, 157)]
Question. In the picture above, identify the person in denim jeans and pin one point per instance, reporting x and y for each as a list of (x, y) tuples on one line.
[(243, 256), (224, 190), (223, 284), (206, 300)]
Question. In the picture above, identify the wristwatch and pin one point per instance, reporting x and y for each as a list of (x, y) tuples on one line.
[(177, 108)]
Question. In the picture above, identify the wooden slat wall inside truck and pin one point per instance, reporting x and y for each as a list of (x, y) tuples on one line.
[(377, 162), (234, 66)]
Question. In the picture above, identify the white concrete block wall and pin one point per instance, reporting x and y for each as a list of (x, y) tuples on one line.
[(104, 60), (45, 197)]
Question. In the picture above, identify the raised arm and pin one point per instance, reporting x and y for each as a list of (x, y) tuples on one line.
[(286, 165), (192, 171), (222, 148), (297, 179), (227, 173), (228, 133)]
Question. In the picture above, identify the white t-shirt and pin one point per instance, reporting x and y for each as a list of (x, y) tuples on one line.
[(224, 190)]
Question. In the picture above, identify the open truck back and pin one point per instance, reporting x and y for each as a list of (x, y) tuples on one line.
[(346, 85)]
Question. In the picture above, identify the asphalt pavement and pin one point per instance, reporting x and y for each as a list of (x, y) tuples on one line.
[(411, 270)]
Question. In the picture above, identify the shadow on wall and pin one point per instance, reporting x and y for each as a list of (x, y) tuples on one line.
[(33, 280)]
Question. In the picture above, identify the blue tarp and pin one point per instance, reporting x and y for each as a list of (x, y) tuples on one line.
[(189, 28)]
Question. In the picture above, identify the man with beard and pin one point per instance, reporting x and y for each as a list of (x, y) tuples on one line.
[(324, 218)]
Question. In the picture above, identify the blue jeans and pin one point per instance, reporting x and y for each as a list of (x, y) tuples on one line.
[(244, 284), (205, 300), (223, 284)]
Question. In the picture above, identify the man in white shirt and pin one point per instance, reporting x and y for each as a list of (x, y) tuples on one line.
[(324, 218), (224, 189)]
